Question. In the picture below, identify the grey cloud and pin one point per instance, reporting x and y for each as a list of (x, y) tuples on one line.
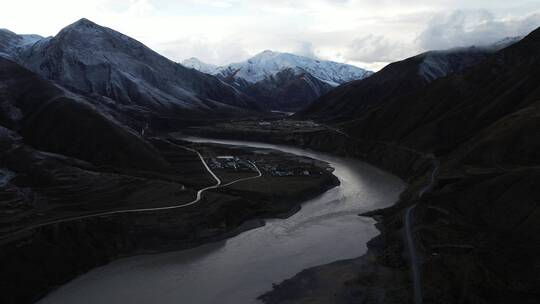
[(376, 48), (464, 28), (385, 33), (221, 52), (306, 49)]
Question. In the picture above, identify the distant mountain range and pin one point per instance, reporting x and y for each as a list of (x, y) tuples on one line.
[(98, 61), (126, 80), (282, 81), (123, 73)]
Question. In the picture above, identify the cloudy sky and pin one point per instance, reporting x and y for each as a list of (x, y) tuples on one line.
[(369, 34)]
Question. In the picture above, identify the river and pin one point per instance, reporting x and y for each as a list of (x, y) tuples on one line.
[(243, 267)]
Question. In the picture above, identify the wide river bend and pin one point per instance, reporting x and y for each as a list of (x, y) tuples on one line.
[(243, 267)]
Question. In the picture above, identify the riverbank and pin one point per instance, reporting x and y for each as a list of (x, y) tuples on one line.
[(37, 261)]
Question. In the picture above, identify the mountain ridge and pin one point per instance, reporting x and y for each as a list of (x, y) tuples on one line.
[(91, 59), (268, 63), (396, 79), (267, 71), (62, 122)]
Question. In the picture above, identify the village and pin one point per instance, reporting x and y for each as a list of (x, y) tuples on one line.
[(240, 165)]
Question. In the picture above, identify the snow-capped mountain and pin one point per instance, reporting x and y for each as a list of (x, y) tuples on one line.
[(53, 119), (269, 63), (288, 90), (437, 64), (198, 65), (11, 43), (504, 43), (94, 60), (396, 79), (269, 77)]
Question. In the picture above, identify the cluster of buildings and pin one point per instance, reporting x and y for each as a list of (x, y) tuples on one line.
[(237, 164), (275, 170), (229, 162)]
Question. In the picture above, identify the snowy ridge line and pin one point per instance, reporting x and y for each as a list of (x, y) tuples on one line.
[(268, 64)]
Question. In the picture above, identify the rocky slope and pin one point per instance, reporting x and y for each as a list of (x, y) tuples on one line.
[(288, 90), (11, 43), (52, 119), (462, 109), (394, 81), (283, 81)]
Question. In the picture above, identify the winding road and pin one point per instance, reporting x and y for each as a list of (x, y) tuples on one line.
[(198, 198), (417, 286)]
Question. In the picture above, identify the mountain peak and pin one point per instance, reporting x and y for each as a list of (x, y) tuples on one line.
[(12, 43), (7, 31), (88, 37), (266, 54), (197, 64), (193, 59), (84, 22)]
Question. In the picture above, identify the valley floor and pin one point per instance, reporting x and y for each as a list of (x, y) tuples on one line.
[(470, 234)]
